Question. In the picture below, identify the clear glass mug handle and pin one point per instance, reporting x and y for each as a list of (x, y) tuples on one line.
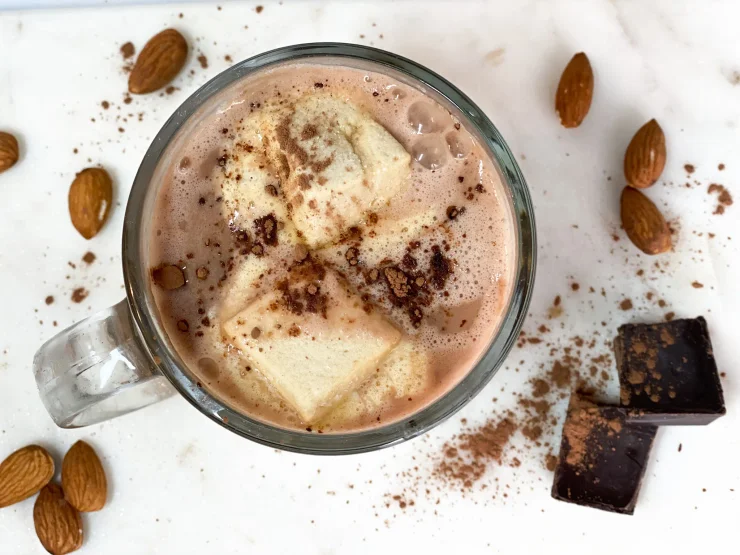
[(97, 370)]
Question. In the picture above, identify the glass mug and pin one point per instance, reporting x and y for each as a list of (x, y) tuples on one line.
[(120, 359)]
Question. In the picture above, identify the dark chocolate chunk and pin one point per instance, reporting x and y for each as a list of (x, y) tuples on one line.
[(667, 373), (602, 457)]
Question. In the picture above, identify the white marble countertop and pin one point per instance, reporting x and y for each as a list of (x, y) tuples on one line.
[(182, 484)]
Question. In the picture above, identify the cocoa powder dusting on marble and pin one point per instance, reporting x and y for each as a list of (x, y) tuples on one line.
[(466, 457), (528, 431)]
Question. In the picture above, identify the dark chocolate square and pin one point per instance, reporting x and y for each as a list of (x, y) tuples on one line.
[(602, 457), (667, 373)]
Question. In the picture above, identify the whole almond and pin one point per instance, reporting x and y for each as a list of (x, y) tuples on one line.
[(58, 524), (83, 478), (90, 198), (8, 151), (645, 157), (24, 473), (645, 225), (575, 91), (160, 60)]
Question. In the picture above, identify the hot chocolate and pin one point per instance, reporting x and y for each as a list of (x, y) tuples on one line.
[(333, 248)]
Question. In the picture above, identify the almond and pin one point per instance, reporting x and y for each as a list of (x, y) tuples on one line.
[(90, 198), (160, 60), (24, 473), (643, 222), (645, 157), (58, 524), (83, 478), (8, 151), (575, 91)]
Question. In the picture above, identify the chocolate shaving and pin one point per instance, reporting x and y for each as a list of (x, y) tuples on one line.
[(440, 268), (267, 229)]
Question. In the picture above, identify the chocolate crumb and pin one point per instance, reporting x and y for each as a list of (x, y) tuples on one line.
[(49, 299), (267, 229), (452, 212), (551, 462), (127, 50), (79, 295), (626, 304), (183, 325), (409, 261), (203, 61), (697, 285), (724, 197), (255, 333), (259, 9), (689, 168), (89, 257)]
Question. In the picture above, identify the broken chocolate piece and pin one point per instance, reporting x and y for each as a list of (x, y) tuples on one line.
[(667, 373), (602, 457)]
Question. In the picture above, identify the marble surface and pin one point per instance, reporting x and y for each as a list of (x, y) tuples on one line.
[(180, 483)]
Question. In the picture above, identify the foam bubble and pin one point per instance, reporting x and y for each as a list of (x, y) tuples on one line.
[(430, 152), (425, 117)]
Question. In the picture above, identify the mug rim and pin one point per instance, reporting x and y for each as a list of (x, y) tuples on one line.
[(413, 425)]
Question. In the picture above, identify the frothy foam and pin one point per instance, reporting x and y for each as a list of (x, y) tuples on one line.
[(435, 260)]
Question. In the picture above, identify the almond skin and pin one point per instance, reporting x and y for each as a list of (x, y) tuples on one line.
[(58, 524), (8, 151), (645, 225), (575, 91), (160, 61), (90, 198), (645, 157), (24, 473), (83, 478)]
